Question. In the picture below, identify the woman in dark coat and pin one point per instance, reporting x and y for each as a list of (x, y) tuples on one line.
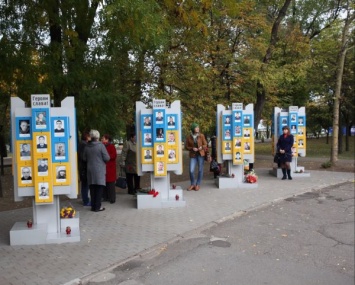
[(284, 147), (96, 156), (110, 189)]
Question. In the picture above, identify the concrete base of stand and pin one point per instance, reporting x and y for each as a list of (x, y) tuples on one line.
[(20, 234), (146, 201), (232, 182)]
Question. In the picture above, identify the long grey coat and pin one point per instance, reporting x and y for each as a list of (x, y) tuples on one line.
[(96, 156)]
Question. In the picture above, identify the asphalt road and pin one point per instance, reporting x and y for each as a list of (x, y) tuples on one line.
[(307, 239)]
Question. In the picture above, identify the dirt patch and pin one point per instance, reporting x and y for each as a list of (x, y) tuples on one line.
[(7, 202)]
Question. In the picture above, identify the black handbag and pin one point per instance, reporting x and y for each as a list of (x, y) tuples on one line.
[(121, 181), (277, 158)]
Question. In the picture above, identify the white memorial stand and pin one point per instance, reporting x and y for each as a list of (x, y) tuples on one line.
[(167, 197), (283, 117), (234, 177), (48, 227)]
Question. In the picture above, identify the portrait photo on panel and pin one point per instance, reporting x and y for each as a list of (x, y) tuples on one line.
[(147, 122), (237, 117), (284, 121), (160, 150), (41, 119), (59, 128), (247, 120), (159, 117), (171, 154), (238, 131), (147, 154), (160, 167), (61, 173), (171, 138), (227, 146), (293, 129), (42, 143), (25, 151), (42, 166), (59, 149), (301, 121), (43, 190), (247, 146), (238, 155), (227, 134), (160, 134), (293, 118), (227, 120), (147, 139), (171, 122), (246, 133), (26, 174), (24, 128), (238, 143)]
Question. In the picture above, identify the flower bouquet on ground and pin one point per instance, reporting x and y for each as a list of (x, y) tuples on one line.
[(251, 177), (67, 212)]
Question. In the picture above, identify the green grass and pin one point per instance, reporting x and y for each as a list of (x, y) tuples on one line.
[(315, 148)]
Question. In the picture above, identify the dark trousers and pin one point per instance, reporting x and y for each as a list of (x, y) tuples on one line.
[(110, 192), (96, 195), (133, 182), (84, 192)]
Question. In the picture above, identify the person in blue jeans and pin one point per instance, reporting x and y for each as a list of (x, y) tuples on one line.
[(196, 144)]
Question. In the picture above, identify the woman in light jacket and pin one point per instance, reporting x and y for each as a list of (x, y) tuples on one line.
[(96, 156)]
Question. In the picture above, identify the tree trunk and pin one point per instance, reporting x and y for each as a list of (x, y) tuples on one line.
[(261, 93), (340, 69)]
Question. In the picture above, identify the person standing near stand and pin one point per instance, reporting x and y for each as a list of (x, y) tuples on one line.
[(110, 188), (84, 187), (284, 147), (128, 161), (196, 144), (96, 156)]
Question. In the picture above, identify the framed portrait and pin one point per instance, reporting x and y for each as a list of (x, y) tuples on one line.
[(25, 176), (283, 121), (146, 122), (25, 150), (59, 151), (238, 131), (42, 167), (40, 119), (172, 137), (227, 134), (61, 174), (160, 168), (147, 139), (246, 146), (247, 133), (227, 147), (247, 120), (59, 126), (172, 155), (301, 121), (293, 118), (237, 143), (23, 128), (294, 129), (227, 120), (159, 150), (42, 143), (237, 116), (160, 134), (171, 121), (147, 155), (159, 116), (43, 190)]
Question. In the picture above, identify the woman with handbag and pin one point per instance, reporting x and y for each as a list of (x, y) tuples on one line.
[(284, 148), (128, 161), (110, 189), (196, 144)]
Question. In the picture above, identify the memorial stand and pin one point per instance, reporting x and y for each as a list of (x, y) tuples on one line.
[(295, 118), (159, 141), (235, 144), (44, 167)]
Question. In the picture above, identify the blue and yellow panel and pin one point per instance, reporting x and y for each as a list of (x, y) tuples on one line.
[(40, 120), (61, 174)]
